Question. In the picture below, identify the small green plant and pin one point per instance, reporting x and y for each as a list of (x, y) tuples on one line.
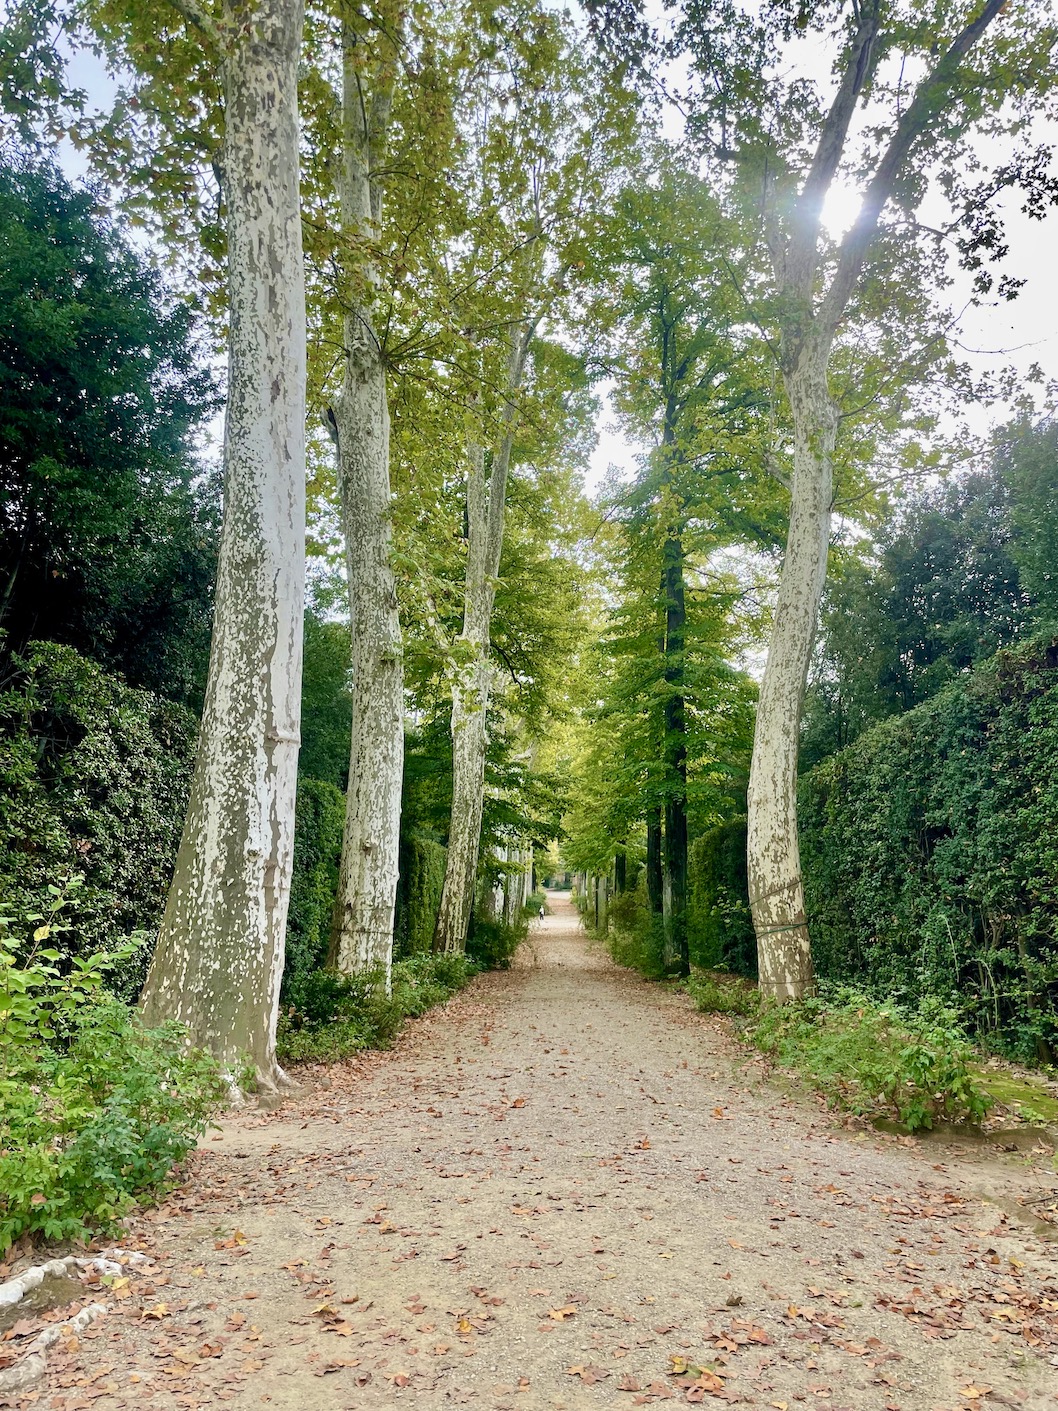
[(94, 1109), (716, 993), (877, 1059), (534, 902), (492, 944), (330, 1016)]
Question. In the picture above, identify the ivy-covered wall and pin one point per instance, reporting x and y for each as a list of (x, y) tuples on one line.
[(930, 854)]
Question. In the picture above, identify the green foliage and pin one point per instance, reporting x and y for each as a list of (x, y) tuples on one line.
[(635, 936), (716, 993), (719, 921), (318, 827), (422, 875), (491, 943), (930, 857), (327, 1016), (94, 1109), (108, 529), (533, 902), (877, 1059), (93, 780), (326, 698)]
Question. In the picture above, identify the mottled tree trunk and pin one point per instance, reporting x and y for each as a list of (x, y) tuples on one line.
[(219, 957), (362, 931), (486, 504), (776, 891)]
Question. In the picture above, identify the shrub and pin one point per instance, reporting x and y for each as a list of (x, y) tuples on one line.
[(716, 993), (93, 780), (422, 875), (94, 1109), (720, 928), (491, 944), (314, 883), (328, 1016), (533, 902), (877, 1059)]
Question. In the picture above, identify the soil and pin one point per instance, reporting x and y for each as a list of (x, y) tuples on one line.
[(565, 1189)]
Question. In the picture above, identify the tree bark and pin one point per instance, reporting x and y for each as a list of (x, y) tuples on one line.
[(362, 929), (809, 325), (776, 891), (219, 958), (486, 503)]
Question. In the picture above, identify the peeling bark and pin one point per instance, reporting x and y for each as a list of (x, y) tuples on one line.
[(486, 502), (219, 957), (362, 930)]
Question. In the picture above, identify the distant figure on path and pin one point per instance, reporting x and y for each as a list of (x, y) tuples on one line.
[(541, 913)]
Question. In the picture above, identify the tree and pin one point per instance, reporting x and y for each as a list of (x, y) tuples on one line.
[(690, 379), (219, 956), (108, 524), (362, 934), (543, 161), (971, 63)]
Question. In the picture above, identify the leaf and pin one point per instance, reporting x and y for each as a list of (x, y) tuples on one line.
[(560, 1313)]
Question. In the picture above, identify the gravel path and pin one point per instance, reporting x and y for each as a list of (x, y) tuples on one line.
[(561, 1191)]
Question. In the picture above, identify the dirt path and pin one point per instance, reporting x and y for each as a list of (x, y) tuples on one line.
[(561, 1192)]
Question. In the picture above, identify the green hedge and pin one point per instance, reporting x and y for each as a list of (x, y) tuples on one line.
[(930, 852), (930, 856), (422, 875), (318, 829), (93, 779), (720, 929)]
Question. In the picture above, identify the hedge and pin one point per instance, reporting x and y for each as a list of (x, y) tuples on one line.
[(720, 929), (94, 777), (930, 854), (422, 874), (318, 827)]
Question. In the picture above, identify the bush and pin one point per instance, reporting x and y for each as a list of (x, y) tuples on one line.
[(94, 1109), (533, 902), (422, 875), (328, 1016), (93, 780), (715, 993), (930, 849), (491, 944), (876, 1059), (719, 924)]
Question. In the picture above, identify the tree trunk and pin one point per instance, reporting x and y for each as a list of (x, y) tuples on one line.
[(620, 869), (655, 877), (362, 929), (486, 503), (219, 957), (775, 887), (675, 848)]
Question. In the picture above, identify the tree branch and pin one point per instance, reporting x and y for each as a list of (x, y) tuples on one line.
[(926, 105), (200, 19), (800, 256)]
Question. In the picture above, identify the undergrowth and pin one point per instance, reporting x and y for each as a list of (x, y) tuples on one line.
[(862, 1055), (330, 1016), (95, 1110)]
